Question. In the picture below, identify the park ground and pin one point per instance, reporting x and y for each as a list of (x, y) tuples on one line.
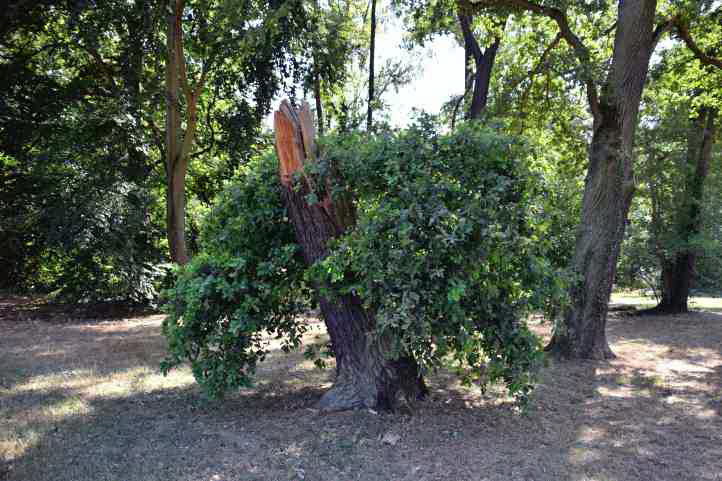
[(82, 399)]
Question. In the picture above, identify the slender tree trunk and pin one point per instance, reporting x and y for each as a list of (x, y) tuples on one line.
[(677, 273), (484, 64), (175, 171), (372, 54), (482, 80), (609, 187), (178, 144), (317, 84), (468, 70), (468, 76), (676, 281), (365, 377), (317, 96)]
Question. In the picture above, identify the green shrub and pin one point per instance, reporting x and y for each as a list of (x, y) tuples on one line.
[(247, 281), (442, 253)]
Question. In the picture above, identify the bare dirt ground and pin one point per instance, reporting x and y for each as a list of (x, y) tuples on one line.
[(82, 399)]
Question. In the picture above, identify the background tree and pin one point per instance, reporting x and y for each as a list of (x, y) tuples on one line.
[(347, 102), (335, 39), (76, 151), (614, 104), (260, 39), (372, 55), (676, 163), (83, 102), (480, 35)]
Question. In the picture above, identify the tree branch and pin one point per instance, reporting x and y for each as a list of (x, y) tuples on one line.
[(456, 105), (580, 50), (199, 86), (540, 64), (610, 29), (465, 22), (104, 67), (158, 137), (660, 30), (683, 31), (180, 55), (209, 124)]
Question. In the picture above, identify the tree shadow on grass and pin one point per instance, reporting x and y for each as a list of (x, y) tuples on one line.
[(650, 414), (88, 402), (681, 331)]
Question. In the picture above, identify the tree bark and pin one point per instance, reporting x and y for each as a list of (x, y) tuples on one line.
[(468, 71), (365, 376), (676, 279), (319, 103), (609, 187), (317, 84), (677, 273), (175, 171)]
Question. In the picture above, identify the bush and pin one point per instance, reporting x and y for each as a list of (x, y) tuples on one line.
[(248, 280), (442, 255)]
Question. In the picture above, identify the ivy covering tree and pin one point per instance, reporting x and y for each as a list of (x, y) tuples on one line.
[(436, 263)]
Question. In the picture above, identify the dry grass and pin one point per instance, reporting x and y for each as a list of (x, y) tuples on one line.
[(637, 298), (83, 400)]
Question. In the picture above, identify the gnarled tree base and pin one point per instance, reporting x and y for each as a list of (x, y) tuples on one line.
[(596, 348), (364, 391)]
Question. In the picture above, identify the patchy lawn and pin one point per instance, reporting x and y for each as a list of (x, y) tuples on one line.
[(83, 400), (638, 299)]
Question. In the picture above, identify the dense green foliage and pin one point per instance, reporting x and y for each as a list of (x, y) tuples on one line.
[(247, 281), (442, 255), (82, 107)]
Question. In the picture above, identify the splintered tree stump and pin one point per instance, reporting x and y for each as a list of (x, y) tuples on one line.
[(365, 377)]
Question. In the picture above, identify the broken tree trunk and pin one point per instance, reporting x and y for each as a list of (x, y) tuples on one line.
[(365, 376)]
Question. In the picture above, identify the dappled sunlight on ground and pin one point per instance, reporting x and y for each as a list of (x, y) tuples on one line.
[(86, 401)]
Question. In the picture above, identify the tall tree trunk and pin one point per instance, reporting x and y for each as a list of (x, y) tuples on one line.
[(178, 144), (175, 168), (677, 272), (372, 54), (484, 64), (317, 97), (317, 83), (482, 80), (365, 377), (609, 187), (468, 70), (676, 279)]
